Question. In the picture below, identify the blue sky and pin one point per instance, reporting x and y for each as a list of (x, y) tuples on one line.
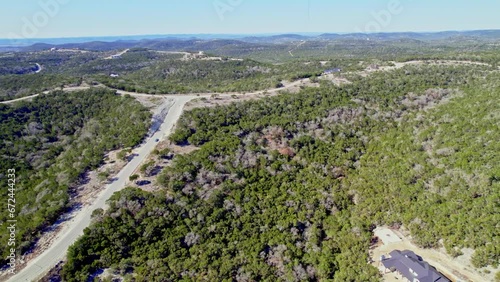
[(76, 18)]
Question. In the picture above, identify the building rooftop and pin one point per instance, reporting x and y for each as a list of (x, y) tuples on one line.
[(333, 70), (413, 267)]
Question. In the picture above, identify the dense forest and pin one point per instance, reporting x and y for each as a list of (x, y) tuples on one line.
[(16, 86), (289, 188), (148, 71), (52, 141), (281, 188), (243, 67), (208, 76)]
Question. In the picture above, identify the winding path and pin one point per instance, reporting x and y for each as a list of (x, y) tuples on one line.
[(19, 99)]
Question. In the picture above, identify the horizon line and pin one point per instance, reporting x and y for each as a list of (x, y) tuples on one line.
[(244, 34)]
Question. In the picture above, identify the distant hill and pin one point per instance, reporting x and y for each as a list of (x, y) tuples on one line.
[(183, 40), (203, 42), (426, 36), (277, 38), (163, 44)]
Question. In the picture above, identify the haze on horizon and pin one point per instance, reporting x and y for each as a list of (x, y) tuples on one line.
[(92, 18)]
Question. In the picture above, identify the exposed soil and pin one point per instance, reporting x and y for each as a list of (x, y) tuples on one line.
[(225, 99)]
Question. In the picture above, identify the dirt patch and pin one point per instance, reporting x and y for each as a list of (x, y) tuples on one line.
[(181, 150), (98, 179), (336, 79), (228, 98), (150, 102), (216, 100)]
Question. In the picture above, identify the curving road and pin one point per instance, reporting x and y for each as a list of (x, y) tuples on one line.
[(39, 68), (194, 95), (117, 55), (39, 266)]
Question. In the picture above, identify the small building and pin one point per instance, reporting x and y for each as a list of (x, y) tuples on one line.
[(332, 71), (412, 267)]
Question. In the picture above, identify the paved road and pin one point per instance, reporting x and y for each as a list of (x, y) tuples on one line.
[(117, 55), (39, 68), (48, 259), (40, 265)]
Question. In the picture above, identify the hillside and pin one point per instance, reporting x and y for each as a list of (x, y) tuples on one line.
[(396, 130), (52, 142), (290, 187)]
